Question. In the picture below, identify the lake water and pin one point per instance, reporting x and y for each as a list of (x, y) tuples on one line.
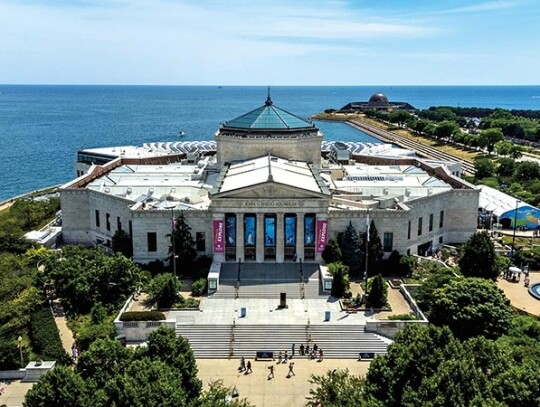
[(42, 127)]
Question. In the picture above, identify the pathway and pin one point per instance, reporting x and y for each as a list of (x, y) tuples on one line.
[(66, 336)]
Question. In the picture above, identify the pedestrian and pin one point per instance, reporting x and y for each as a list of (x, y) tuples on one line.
[(291, 371), (292, 350), (301, 349), (315, 348), (321, 355), (285, 357), (280, 358), (248, 370), (242, 364), (271, 374), (307, 350)]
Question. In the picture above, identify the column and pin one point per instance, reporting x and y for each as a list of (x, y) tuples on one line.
[(280, 237), (259, 241), (300, 235), (239, 237)]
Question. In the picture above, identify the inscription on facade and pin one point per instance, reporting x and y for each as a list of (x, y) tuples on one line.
[(271, 204)]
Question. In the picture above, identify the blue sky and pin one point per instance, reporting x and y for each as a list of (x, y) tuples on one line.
[(277, 42)]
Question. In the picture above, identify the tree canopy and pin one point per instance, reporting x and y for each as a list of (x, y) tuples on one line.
[(478, 258), (350, 249)]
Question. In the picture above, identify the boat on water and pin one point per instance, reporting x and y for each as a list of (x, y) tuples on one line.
[(181, 133)]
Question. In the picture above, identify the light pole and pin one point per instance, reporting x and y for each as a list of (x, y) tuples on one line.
[(514, 234), (173, 242), (19, 340)]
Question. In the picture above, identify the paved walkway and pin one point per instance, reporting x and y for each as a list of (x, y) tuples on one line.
[(519, 295), (66, 336), (13, 395), (279, 391)]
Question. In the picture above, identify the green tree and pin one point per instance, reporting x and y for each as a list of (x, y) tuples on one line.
[(407, 265), (184, 245), (471, 307), (60, 387), (217, 396), (446, 130), (375, 251), (377, 292), (506, 167), (336, 388), (503, 148), (399, 116), (122, 243), (163, 290), (489, 137), (527, 171), (484, 168), (331, 252), (340, 281), (175, 351), (424, 296), (350, 249), (478, 257)]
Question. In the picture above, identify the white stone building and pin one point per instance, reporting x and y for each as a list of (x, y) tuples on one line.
[(265, 194)]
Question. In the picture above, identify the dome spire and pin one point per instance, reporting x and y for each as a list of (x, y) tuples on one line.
[(268, 99)]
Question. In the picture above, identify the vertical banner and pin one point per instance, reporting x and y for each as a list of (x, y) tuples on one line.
[(219, 236), (231, 231), (249, 230), (290, 231), (309, 231), (269, 232), (322, 234)]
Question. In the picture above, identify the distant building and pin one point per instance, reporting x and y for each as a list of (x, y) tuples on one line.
[(267, 190), (378, 102)]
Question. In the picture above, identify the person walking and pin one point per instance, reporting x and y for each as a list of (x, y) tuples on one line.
[(271, 374), (301, 349), (242, 364), (248, 370), (292, 350), (321, 355), (285, 357), (291, 370)]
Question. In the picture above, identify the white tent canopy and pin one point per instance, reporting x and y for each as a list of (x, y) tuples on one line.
[(497, 202)]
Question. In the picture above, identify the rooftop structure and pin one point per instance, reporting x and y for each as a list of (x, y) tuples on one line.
[(378, 102)]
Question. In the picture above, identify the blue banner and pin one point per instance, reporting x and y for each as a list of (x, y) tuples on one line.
[(309, 231), (290, 231), (249, 230), (230, 230), (270, 232)]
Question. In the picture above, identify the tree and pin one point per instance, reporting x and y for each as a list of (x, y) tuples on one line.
[(175, 351), (340, 281), (350, 249), (122, 243), (484, 168), (336, 388), (60, 387), (424, 296), (478, 257), (377, 292), (471, 307), (407, 265), (184, 245), (331, 252), (527, 171), (503, 148), (506, 167), (375, 251), (399, 116), (163, 290), (488, 138), (446, 130), (217, 396)]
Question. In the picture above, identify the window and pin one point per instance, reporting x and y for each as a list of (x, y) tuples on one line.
[(97, 218), (130, 228), (152, 241), (108, 221), (441, 219), (409, 231), (388, 241), (200, 239), (430, 222), (419, 226), (440, 239), (118, 223)]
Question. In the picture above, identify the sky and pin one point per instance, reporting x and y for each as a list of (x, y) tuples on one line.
[(277, 42)]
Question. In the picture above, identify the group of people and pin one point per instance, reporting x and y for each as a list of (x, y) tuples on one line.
[(75, 351), (245, 366), (312, 352)]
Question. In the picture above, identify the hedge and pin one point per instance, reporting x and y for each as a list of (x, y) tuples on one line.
[(46, 341), (142, 316)]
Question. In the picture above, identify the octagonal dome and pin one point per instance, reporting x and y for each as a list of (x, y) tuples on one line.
[(378, 99)]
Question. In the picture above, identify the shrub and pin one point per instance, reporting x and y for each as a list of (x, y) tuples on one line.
[(143, 316), (403, 317), (46, 341), (198, 287), (163, 290), (377, 292)]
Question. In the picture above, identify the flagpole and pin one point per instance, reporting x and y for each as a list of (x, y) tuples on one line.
[(173, 242), (367, 245)]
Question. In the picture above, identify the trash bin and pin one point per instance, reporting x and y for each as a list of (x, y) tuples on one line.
[(243, 312), (327, 315)]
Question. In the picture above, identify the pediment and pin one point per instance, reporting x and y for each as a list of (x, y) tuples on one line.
[(270, 190)]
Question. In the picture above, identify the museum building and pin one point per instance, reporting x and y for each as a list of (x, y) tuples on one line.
[(266, 194)]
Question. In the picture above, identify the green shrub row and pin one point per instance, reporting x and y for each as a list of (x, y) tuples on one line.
[(403, 317), (142, 316), (46, 341)]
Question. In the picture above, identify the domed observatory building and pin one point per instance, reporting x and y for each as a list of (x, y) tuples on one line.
[(268, 130), (378, 102)]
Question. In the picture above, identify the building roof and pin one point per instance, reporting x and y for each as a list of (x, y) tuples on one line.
[(378, 99), (268, 117), (264, 169)]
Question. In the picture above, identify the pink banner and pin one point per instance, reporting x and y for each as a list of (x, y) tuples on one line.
[(322, 234), (219, 236)]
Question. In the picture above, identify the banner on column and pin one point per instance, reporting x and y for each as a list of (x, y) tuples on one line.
[(219, 236), (322, 234)]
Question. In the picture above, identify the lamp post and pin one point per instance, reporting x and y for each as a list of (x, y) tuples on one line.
[(173, 223), (19, 341), (514, 234)]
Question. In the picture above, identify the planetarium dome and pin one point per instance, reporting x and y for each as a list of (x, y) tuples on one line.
[(378, 99)]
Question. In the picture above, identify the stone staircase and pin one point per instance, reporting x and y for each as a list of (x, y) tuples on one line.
[(224, 341)]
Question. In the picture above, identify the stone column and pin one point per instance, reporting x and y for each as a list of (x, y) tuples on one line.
[(239, 237), (300, 235), (280, 237), (259, 241)]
